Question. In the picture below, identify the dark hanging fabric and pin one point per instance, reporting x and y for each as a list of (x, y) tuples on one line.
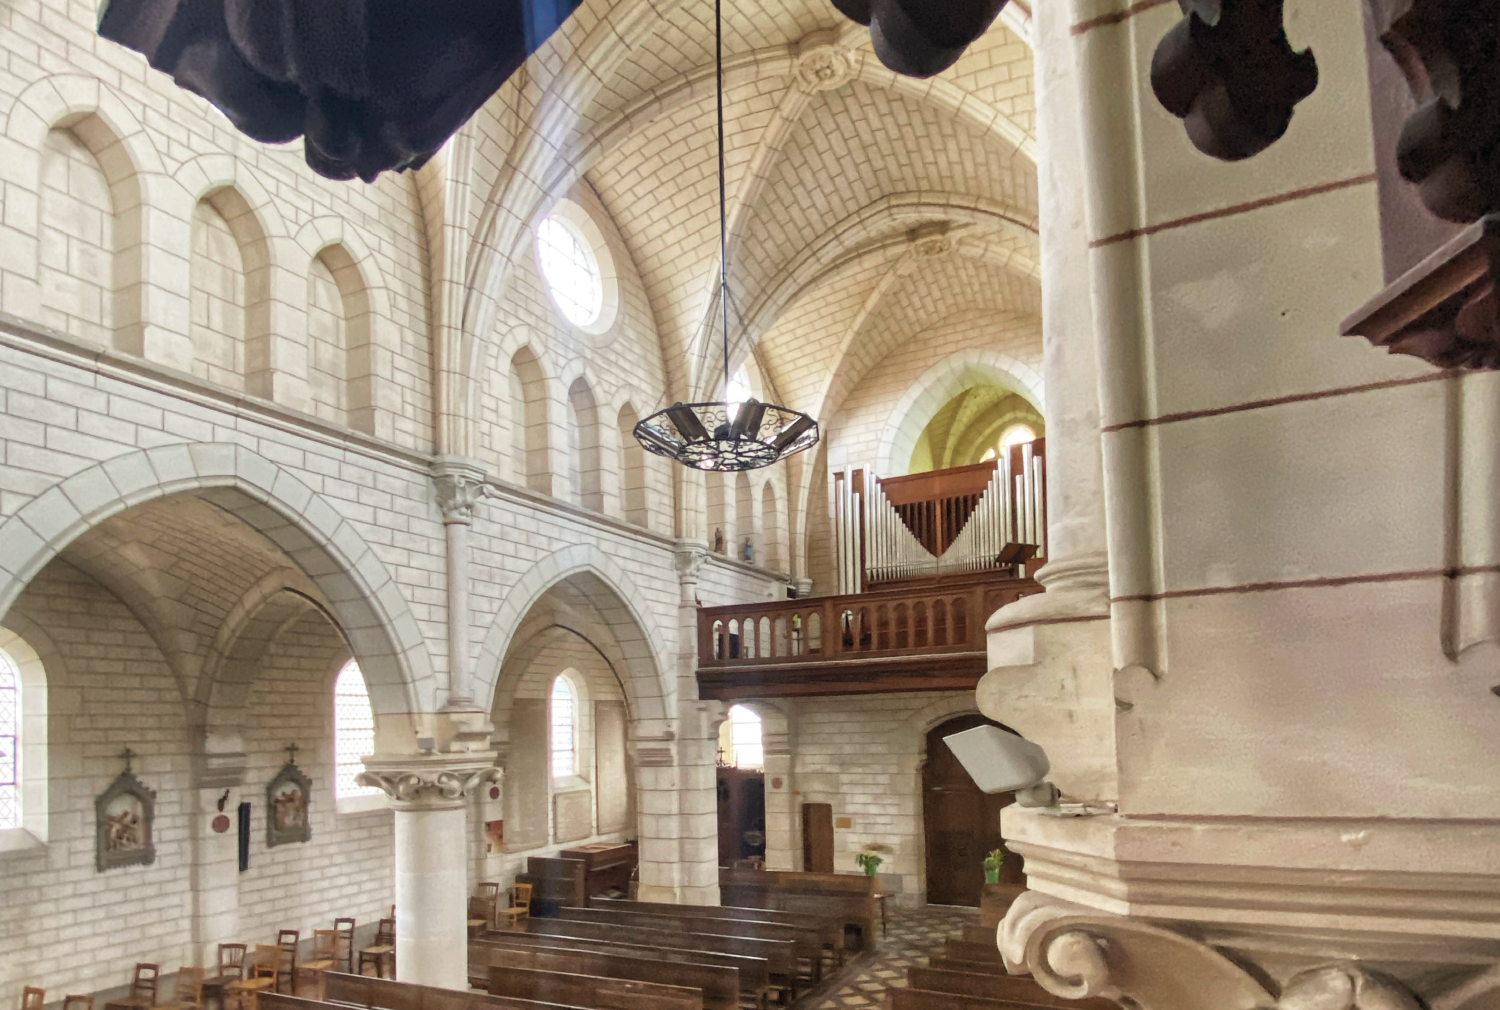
[(370, 85), (920, 38)]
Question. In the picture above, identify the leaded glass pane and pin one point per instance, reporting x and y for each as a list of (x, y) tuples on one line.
[(353, 731), (10, 744), (562, 728)]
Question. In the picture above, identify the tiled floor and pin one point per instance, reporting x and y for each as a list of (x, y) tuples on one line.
[(913, 935)]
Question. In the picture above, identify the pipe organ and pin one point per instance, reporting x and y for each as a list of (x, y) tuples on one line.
[(990, 515)]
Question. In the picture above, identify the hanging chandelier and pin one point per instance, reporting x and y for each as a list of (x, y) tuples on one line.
[(725, 435)]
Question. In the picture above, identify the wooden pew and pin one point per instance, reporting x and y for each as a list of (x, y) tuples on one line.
[(590, 991), (720, 987), (754, 973), (780, 955), (388, 994), (828, 926), (554, 883), (850, 896), (809, 943), (1018, 988)]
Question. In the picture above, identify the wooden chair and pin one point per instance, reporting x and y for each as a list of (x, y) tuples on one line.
[(287, 940), (72, 1002), (324, 959), (262, 969), (187, 993), (344, 950), (230, 968), (520, 908), (33, 998), (384, 947), (142, 989), (482, 906)]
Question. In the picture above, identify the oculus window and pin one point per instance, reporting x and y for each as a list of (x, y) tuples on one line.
[(571, 270)]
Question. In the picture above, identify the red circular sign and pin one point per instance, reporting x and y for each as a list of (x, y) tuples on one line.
[(494, 792), (221, 823), (775, 783)]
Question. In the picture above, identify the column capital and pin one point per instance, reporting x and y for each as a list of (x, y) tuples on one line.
[(459, 484), (691, 556), (429, 783)]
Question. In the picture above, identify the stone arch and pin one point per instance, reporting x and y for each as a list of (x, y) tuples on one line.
[(939, 384), (645, 675), (634, 495), (368, 397), (530, 414), (356, 585), (149, 291)]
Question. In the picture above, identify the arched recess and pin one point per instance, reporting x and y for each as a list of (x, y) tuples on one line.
[(147, 290), (585, 465), (229, 276), (350, 361), (772, 524), (644, 669), (530, 431), (782, 806), (632, 467), (940, 384), (364, 599)]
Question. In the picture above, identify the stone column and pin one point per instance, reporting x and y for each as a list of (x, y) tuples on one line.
[(1051, 668), (459, 484), (429, 796)]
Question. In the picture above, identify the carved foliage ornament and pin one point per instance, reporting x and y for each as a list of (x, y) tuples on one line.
[(418, 786), (1229, 73)]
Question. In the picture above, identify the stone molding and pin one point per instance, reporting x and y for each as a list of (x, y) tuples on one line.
[(427, 783), (1078, 952)]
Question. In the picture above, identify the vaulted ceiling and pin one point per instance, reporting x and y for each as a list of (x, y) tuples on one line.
[(863, 207)]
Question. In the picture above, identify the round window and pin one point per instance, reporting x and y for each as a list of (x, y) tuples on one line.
[(571, 270)]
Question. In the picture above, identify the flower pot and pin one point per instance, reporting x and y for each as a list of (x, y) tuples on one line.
[(992, 876), (870, 871)]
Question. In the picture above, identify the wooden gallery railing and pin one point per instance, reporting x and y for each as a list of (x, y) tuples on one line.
[(926, 635)]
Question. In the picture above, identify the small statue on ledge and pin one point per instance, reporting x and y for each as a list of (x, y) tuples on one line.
[(748, 551), (718, 540)]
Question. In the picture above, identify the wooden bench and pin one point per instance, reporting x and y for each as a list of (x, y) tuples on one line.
[(720, 987), (780, 955), (592, 991), (388, 994), (754, 973), (1019, 988), (809, 943), (849, 896), (828, 926)]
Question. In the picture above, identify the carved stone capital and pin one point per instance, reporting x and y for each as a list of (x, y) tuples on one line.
[(691, 557), (821, 64), (459, 484), (427, 783)]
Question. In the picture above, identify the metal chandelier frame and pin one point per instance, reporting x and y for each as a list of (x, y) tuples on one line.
[(721, 435)]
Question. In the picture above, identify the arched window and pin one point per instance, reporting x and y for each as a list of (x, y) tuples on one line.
[(745, 749), (353, 731), (10, 743), (564, 728), (1015, 435)]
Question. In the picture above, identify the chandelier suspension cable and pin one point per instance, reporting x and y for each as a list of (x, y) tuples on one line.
[(723, 198), (720, 435)]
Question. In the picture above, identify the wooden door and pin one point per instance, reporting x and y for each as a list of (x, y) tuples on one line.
[(817, 837), (961, 824), (742, 815)]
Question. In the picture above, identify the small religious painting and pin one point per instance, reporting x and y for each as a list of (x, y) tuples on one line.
[(124, 814), (494, 836), (287, 800)]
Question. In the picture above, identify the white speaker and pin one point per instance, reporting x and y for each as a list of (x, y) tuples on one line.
[(1001, 762)]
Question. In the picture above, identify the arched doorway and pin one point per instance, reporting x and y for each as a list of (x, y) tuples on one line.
[(961, 824)]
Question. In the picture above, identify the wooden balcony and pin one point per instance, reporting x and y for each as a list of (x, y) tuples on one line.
[(924, 634)]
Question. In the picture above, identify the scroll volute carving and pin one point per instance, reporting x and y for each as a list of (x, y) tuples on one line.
[(1450, 146), (1229, 73)]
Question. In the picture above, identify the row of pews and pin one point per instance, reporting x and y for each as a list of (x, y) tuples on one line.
[(970, 975)]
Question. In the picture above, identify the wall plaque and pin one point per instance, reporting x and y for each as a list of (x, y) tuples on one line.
[(124, 814), (287, 799)]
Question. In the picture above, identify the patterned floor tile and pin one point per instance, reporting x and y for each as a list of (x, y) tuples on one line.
[(912, 936)]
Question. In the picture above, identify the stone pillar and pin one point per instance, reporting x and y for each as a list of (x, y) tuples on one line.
[(218, 775), (429, 796), (1051, 669), (459, 484)]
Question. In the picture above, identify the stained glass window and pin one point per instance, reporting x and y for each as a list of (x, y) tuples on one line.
[(564, 728), (749, 752), (571, 271), (353, 731), (10, 743)]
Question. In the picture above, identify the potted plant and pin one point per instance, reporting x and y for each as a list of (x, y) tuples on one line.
[(993, 864), (870, 859)]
